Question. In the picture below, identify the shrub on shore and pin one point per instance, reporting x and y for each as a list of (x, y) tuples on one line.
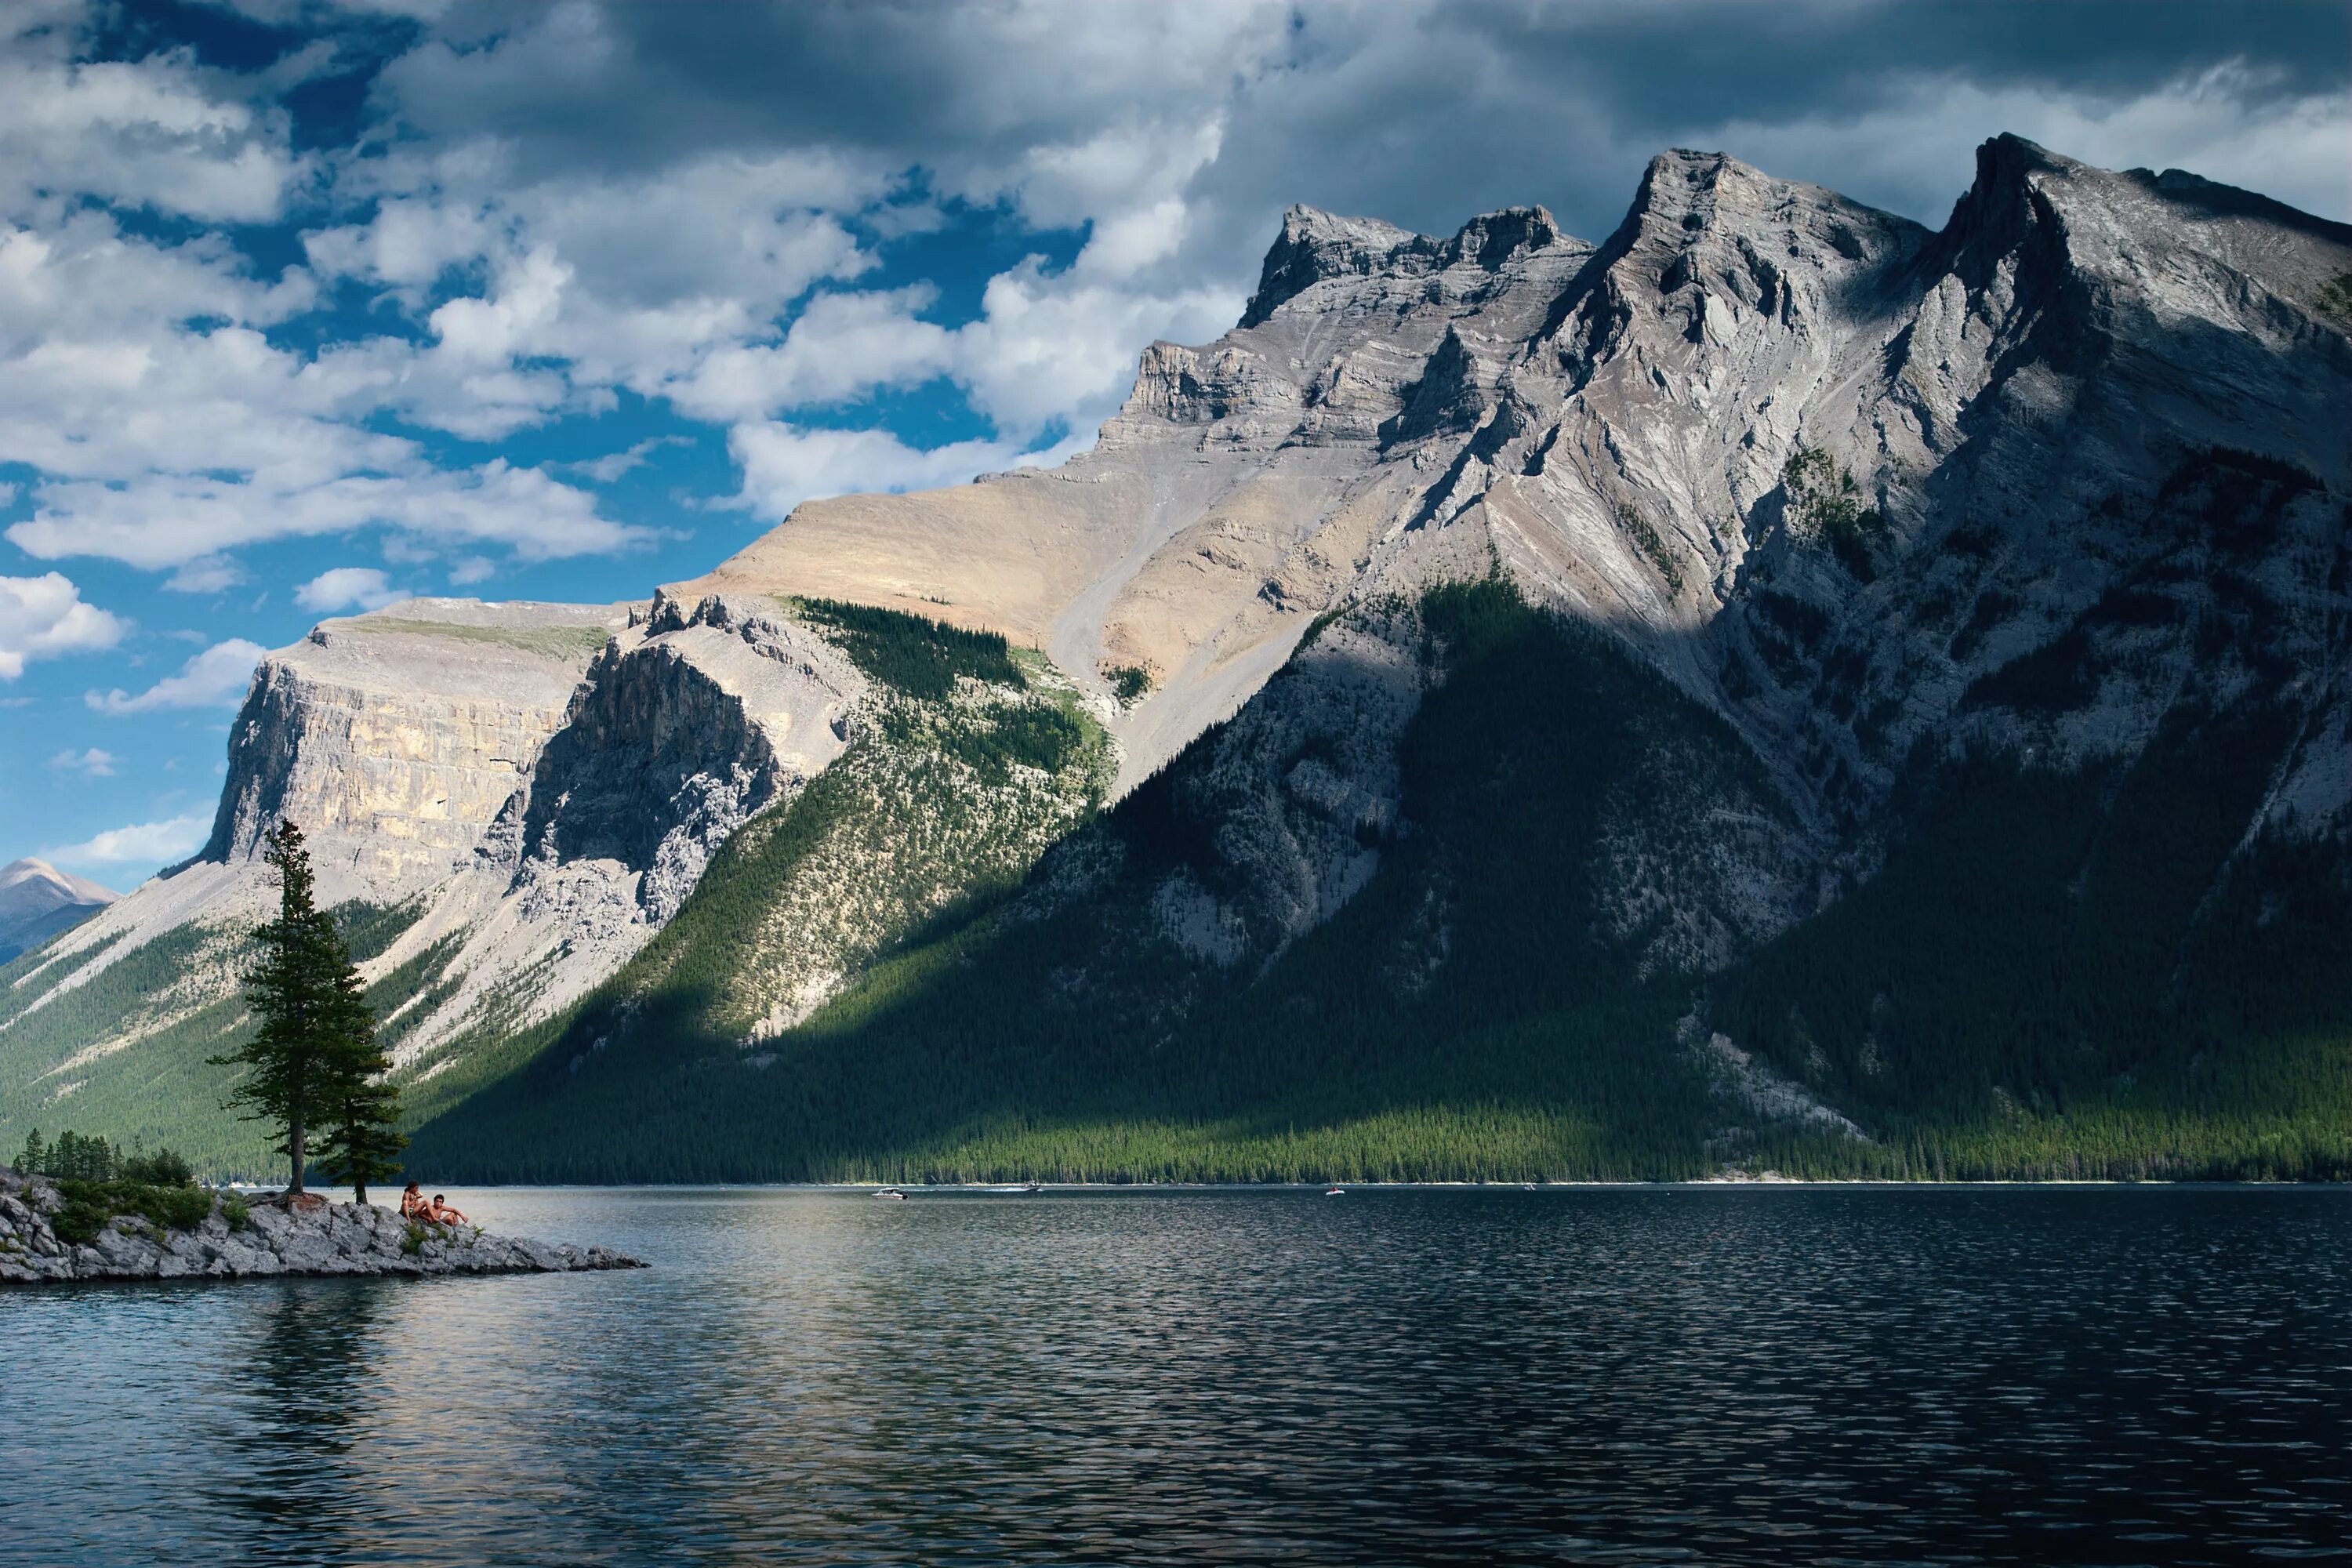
[(90, 1207)]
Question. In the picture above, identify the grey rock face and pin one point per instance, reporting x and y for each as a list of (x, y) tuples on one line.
[(682, 729), (330, 1239), (2098, 421), (394, 737)]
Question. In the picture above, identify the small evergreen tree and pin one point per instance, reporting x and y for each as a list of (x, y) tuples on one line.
[(74, 1158), (361, 1142), (35, 1155), (313, 1048)]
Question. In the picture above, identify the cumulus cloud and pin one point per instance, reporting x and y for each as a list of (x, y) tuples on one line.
[(349, 587), (174, 839), (169, 520), (91, 762), (146, 132), (1063, 347), (216, 678), (843, 346), (783, 467), (43, 616)]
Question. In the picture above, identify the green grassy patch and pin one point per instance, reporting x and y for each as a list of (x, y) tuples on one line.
[(571, 644)]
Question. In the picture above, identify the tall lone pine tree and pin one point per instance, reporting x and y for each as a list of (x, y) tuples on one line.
[(314, 1061)]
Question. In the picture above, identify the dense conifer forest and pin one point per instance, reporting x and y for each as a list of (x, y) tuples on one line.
[(2052, 976), (2042, 974)]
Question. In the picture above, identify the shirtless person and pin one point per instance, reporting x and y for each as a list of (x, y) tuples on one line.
[(442, 1213)]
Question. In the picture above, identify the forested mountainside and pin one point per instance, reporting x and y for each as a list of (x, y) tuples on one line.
[(1780, 688)]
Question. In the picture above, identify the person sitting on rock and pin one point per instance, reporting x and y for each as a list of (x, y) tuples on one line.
[(413, 1204), (442, 1213)]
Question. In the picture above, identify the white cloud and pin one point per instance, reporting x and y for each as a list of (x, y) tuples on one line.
[(589, 274), (43, 616), (216, 678), (343, 587), (1062, 347), (142, 132), (172, 840), (1048, 348), (205, 574), (843, 346), (168, 430), (614, 465), (90, 763), (169, 520), (1918, 157), (783, 467)]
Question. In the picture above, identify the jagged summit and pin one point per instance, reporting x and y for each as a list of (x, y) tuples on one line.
[(1315, 244), (1316, 247), (33, 884)]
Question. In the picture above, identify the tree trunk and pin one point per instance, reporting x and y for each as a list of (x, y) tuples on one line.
[(359, 1192), (294, 1148)]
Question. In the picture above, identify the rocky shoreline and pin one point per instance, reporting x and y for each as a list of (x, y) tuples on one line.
[(273, 1237)]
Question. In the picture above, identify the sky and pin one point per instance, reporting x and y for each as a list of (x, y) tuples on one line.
[(310, 305)]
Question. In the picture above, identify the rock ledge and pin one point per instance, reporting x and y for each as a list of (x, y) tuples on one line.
[(320, 1239)]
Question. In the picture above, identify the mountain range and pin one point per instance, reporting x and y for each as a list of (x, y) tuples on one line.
[(38, 901), (1780, 688)]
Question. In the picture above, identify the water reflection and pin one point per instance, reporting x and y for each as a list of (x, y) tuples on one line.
[(1239, 1377), (303, 1389)]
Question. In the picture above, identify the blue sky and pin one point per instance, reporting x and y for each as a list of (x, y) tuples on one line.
[(308, 304)]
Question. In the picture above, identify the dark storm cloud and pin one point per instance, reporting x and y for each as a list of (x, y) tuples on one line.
[(1663, 66), (1420, 114)]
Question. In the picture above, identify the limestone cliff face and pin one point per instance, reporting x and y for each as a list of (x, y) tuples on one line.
[(396, 738), (533, 788), (685, 726)]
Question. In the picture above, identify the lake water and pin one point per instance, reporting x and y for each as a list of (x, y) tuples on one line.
[(1590, 1375)]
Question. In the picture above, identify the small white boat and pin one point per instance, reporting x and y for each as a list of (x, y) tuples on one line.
[(1336, 1193), (891, 1192)]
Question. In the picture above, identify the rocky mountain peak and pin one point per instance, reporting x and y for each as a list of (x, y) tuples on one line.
[(1315, 244), (37, 900), (1689, 199), (33, 884), (2008, 206), (1492, 238)]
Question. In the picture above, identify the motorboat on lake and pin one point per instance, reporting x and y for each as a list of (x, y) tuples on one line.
[(891, 1192)]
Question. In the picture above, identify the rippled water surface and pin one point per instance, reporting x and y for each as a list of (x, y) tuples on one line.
[(1643, 1375)]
